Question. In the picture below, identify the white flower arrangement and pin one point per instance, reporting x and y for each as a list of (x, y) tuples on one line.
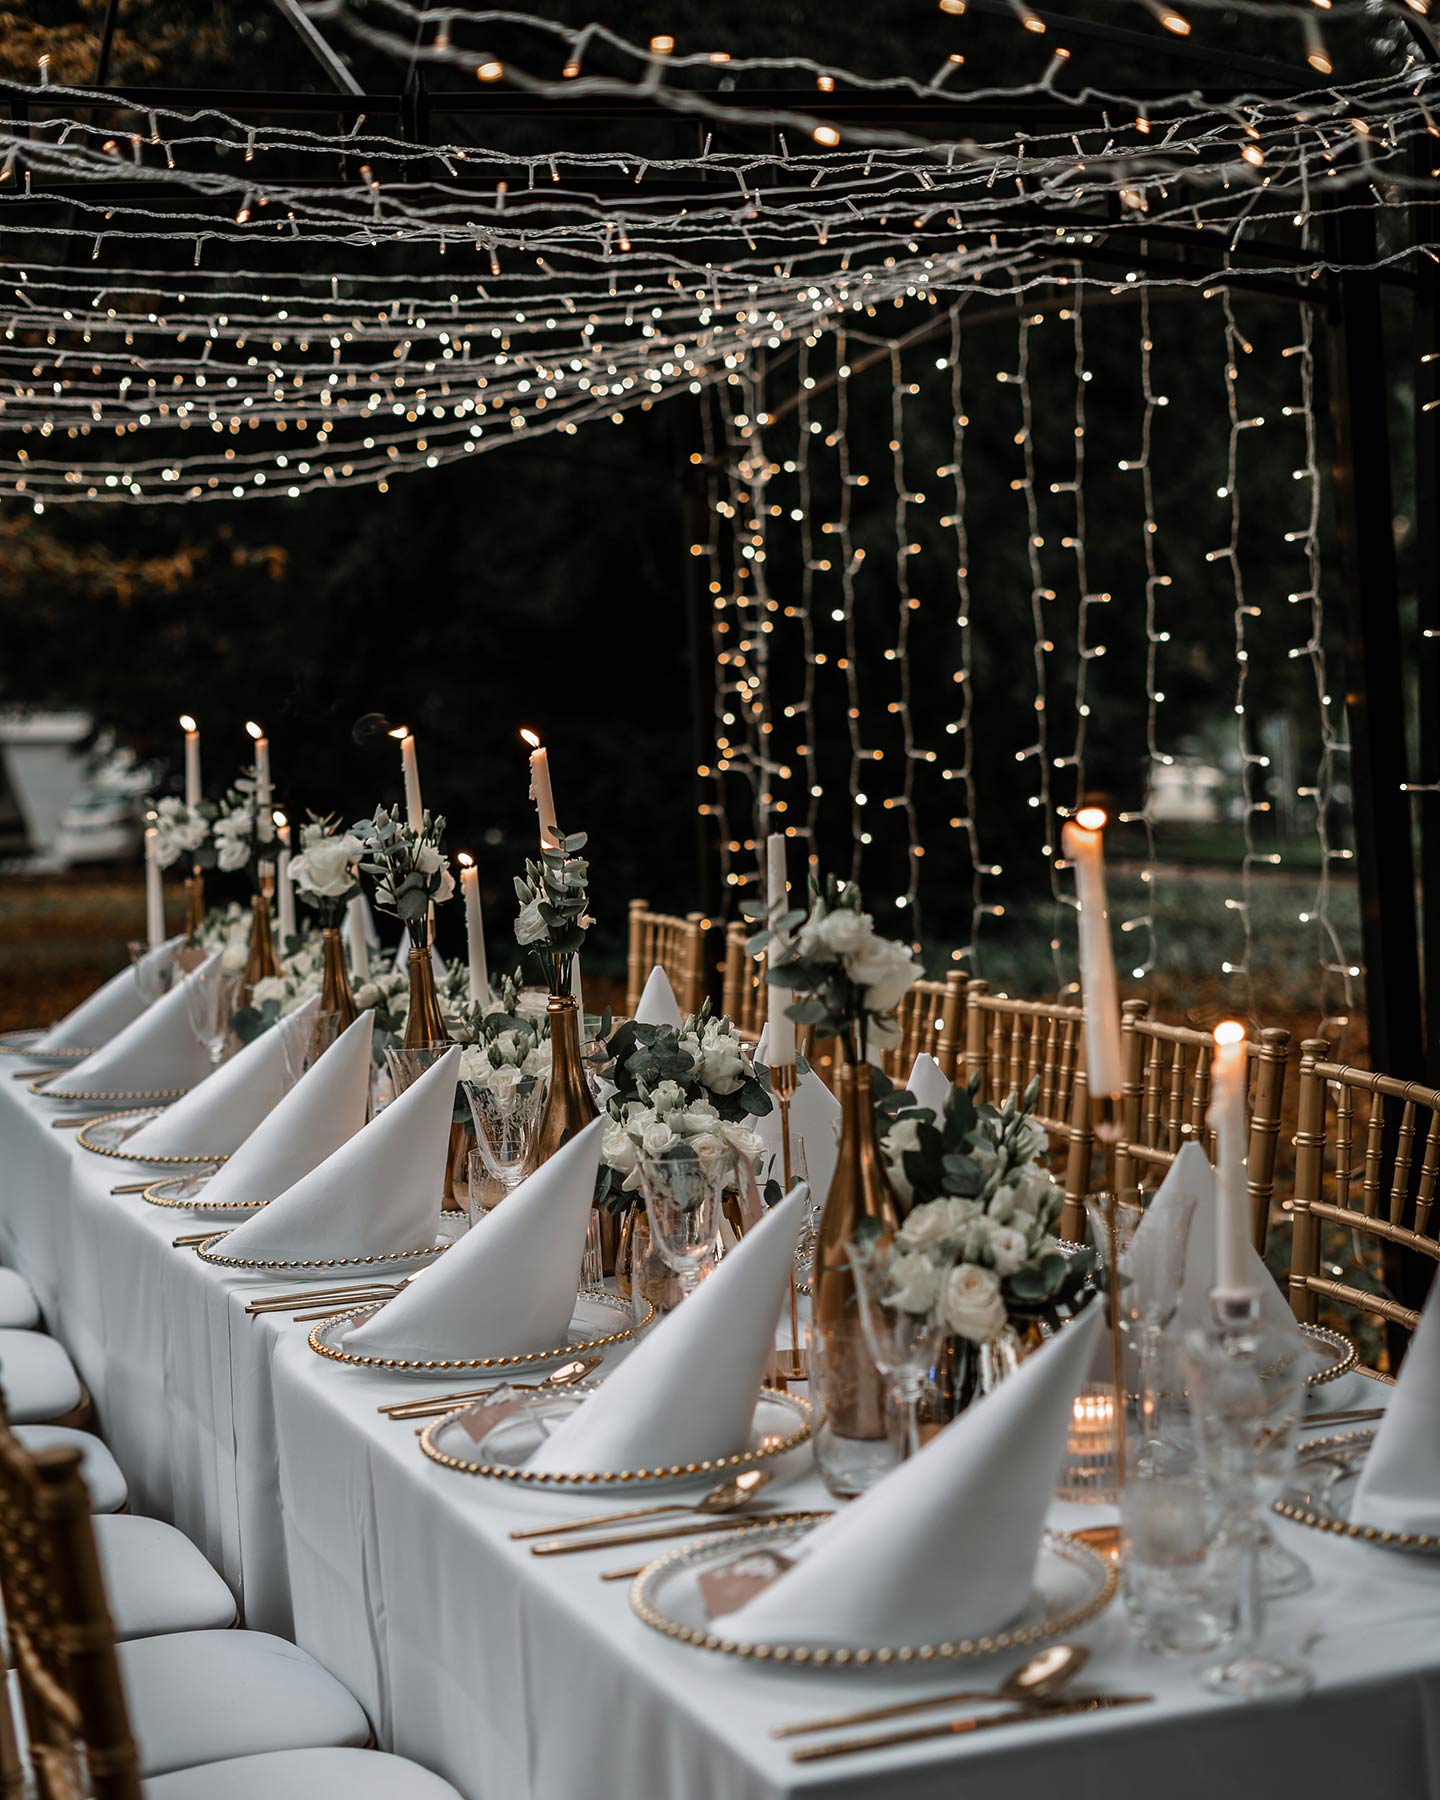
[(180, 830), (227, 929), (326, 873), (978, 1240), (410, 870), (666, 1122)]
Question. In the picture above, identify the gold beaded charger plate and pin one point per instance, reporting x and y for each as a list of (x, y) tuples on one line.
[(1338, 1349), (108, 1136), (1073, 1583), (1321, 1492), (101, 1096), (599, 1320), (211, 1251), (187, 1193), (23, 1042), (781, 1423)]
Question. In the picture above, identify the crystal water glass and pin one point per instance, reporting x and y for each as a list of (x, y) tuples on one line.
[(1178, 1570), (153, 973), (506, 1119), (682, 1202), (902, 1344), (408, 1064), (1247, 1395), (481, 1197), (209, 992)]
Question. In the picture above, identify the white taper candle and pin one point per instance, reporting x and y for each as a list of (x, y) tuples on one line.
[(1229, 1075), (780, 1037), (1084, 845), (154, 893)]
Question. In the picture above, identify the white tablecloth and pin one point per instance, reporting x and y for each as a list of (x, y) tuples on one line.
[(519, 1677)]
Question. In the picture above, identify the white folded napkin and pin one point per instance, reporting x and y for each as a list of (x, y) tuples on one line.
[(380, 1192), (155, 1053), (688, 1392), (929, 1084), (324, 1110), (1399, 1486), (814, 1118), (945, 1546), (658, 1005), (115, 1004), (1191, 1173), (215, 1118), (508, 1287)]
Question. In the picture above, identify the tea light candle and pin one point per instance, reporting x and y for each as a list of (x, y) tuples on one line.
[(780, 1027), (154, 893), (1234, 1271), (1084, 845), (540, 792), (192, 760), (474, 930)]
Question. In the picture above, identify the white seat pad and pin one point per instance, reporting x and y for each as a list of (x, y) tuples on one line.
[(38, 1377), (304, 1775), (98, 1468), (157, 1580), (206, 1696), (19, 1309)]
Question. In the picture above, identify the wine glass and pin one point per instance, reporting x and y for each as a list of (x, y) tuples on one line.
[(899, 1295), (682, 1202), (154, 971), (208, 997), (506, 1118), (297, 1046)]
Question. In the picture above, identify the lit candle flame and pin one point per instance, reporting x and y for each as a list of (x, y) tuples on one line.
[(465, 860), (254, 730), (400, 731), (1229, 1031), (187, 723), (530, 738), (279, 818), (1092, 818)]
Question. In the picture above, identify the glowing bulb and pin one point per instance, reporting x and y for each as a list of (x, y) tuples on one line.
[(826, 134), (490, 70), (1253, 154), (662, 45)]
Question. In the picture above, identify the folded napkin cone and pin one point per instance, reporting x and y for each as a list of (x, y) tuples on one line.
[(215, 1118), (155, 1053), (1399, 1486), (115, 1004), (945, 1546), (929, 1084), (324, 1110), (379, 1193), (688, 1392), (814, 1120), (509, 1285), (658, 1005)]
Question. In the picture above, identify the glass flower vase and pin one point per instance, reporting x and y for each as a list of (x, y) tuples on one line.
[(853, 1442), (964, 1373)]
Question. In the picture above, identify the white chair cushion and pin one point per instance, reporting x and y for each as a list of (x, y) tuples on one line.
[(206, 1696), (304, 1775), (157, 1580), (98, 1468), (19, 1308), (39, 1379)]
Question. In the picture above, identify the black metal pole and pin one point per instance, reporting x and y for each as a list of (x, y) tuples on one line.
[(1374, 680), (1425, 227), (107, 38)]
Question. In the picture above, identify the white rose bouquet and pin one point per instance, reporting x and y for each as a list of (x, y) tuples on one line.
[(982, 1210), (554, 896), (227, 929), (302, 973), (666, 1123), (180, 830), (236, 834), (848, 980), (507, 1048), (326, 873), (411, 872)]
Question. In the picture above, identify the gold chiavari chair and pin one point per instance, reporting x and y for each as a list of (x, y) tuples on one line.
[(676, 944), (1009, 1043), (931, 1019), (1167, 1096), (1394, 1207)]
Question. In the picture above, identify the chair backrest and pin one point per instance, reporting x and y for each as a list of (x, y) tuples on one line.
[(743, 994), (676, 944), (1355, 1168), (932, 1018), (61, 1636), (1008, 1043), (1167, 1097)]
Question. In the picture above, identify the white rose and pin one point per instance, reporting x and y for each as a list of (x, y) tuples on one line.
[(885, 970), (927, 1228), (668, 1097), (708, 1147), (446, 887), (1003, 1203), (366, 995), (617, 1148), (1008, 1249), (742, 1140), (914, 1281), (530, 928), (327, 867), (844, 931), (269, 987), (972, 1304), (657, 1138), (474, 1063), (537, 1060), (427, 857), (234, 957)]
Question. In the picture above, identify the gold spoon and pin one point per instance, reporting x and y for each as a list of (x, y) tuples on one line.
[(1035, 1680), (436, 1405), (726, 1497)]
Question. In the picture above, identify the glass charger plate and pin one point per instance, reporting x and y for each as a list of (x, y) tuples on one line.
[(1072, 1584), (1322, 1489), (599, 1320), (781, 1422), (211, 1251), (108, 1137), (22, 1043), (101, 1096)]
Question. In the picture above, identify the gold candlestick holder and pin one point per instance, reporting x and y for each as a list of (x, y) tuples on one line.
[(194, 901), (792, 1364), (1105, 1118)]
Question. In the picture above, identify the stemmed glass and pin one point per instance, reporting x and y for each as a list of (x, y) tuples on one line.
[(297, 1046), (903, 1344), (208, 996), (153, 972), (682, 1201), (1247, 1393), (505, 1122)]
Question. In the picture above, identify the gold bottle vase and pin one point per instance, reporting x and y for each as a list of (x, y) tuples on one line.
[(194, 902), (262, 962), (336, 994), (851, 1390), (425, 1025), (569, 1105)]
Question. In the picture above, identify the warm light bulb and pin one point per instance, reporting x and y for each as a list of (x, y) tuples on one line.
[(187, 723), (662, 45), (826, 134), (1092, 818), (490, 70)]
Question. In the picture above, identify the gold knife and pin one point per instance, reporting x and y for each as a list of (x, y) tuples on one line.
[(919, 1734), (700, 1528)]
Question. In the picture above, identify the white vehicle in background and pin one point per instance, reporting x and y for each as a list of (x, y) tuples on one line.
[(76, 805), (104, 819)]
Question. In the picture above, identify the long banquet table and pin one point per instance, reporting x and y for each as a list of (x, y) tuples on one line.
[(517, 1677)]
